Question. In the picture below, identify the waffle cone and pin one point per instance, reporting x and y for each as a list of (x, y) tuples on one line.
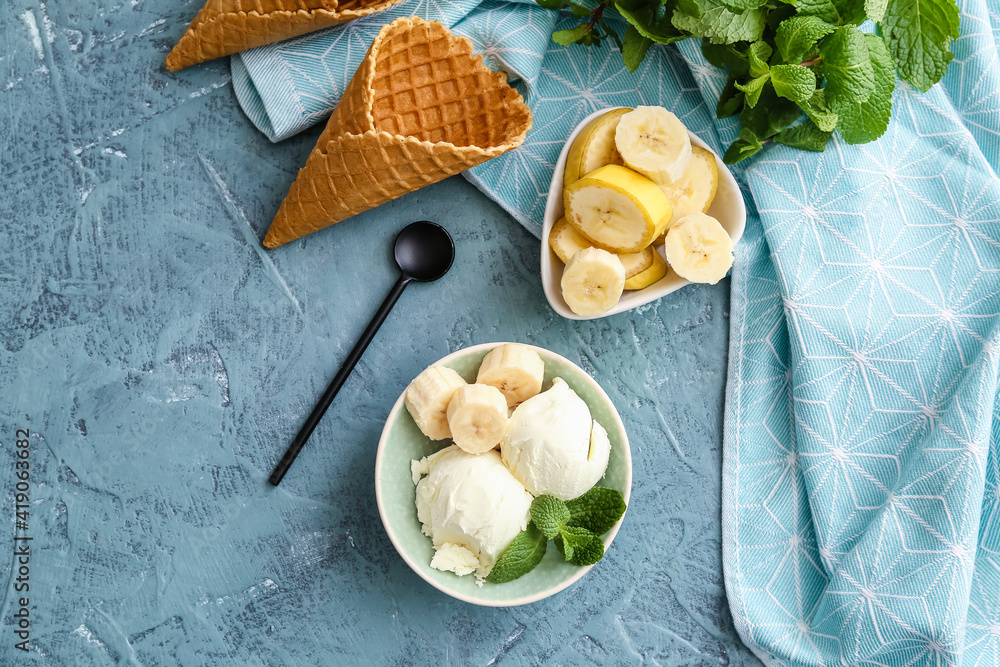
[(420, 108), (225, 27)]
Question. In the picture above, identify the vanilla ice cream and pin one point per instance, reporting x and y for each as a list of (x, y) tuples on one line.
[(553, 446), (470, 506)]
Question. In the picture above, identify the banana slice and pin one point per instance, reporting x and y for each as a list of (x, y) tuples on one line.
[(655, 143), (594, 147), (516, 370), (427, 400), (566, 242), (477, 417), (592, 282), (617, 209), (699, 249), (637, 262), (695, 190), (657, 270)]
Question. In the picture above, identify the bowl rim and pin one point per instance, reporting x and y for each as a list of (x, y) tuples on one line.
[(580, 571), (553, 203)]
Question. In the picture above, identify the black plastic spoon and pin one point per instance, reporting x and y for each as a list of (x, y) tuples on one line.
[(424, 252)]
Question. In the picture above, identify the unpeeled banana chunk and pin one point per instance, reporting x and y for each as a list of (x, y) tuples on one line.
[(617, 209), (594, 147), (656, 271)]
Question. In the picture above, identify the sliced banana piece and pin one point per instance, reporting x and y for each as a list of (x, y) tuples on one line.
[(617, 209), (695, 190), (637, 262), (699, 249), (594, 147), (427, 400), (566, 242), (477, 417), (592, 282), (654, 142), (516, 370), (656, 270)]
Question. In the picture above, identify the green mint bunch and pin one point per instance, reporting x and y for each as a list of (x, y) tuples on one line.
[(798, 70), (575, 526)]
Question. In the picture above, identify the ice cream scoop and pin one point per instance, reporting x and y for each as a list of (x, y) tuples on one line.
[(470, 506), (553, 446)]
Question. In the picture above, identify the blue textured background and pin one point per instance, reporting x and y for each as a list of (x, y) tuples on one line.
[(163, 361)]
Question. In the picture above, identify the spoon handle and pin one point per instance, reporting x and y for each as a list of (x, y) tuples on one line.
[(338, 381)]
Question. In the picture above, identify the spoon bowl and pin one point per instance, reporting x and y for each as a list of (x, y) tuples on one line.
[(424, 251)]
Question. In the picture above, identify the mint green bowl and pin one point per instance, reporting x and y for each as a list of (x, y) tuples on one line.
[(402, 441)]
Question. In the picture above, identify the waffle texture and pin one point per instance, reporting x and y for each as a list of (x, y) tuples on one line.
[(421, 107), (225, 27)]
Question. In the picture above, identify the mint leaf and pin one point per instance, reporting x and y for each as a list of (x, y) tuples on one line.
[(598, 510), (817, 111), (797, 36), (652, 21), (868, 120), (847, 68), (740, 6), (634, 49), (571, 35), (770, 115), (838, 12), (730, 101), (757, 55), (689, 7), (805, 136), (725, 56), (742, 148), (753, 89), (793, 82), (778, 14), (719, 24), (520, 557), (580, 546), (875, 9), (549, 514), (919, 35)]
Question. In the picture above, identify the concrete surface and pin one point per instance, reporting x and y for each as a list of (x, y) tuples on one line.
[(162, 360)]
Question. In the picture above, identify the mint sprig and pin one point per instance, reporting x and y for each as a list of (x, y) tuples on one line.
[(798, 70), (574, 525), (520, 556)]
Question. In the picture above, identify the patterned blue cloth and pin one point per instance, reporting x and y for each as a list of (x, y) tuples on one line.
[(860, 515), (860, 519)]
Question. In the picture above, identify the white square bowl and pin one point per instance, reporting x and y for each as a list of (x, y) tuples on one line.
[(727, 207)]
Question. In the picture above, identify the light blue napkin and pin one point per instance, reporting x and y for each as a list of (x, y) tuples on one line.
[(860, 520)]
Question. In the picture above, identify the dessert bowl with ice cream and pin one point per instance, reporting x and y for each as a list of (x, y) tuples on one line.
[(471, 443)]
